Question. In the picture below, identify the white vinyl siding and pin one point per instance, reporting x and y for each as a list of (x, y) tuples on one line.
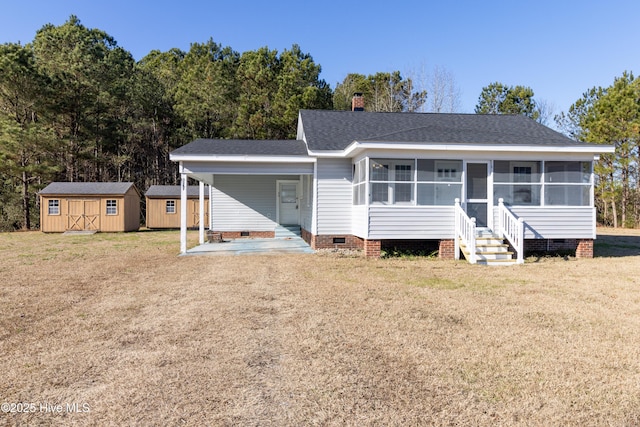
[(334, 196), (566, 222), (360, 221), (306, 202), (244, 202), (416, 222)]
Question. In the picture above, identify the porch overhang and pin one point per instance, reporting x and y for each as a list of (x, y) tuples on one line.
[(357, 147), (204, 169)]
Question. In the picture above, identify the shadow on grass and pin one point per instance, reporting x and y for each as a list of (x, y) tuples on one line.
[(616, 245)]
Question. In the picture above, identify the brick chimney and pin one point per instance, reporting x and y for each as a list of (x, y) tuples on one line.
[(357, 102)]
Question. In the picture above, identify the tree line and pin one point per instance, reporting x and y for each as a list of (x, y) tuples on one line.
[(76, 106)]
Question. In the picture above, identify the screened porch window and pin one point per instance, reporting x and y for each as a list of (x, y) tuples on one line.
[(392, 181), (359, 182), (439, 181), (517, 182), (567, 183)]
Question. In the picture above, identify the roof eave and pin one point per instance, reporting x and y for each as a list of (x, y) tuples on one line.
[(357, 147), (240, 158)]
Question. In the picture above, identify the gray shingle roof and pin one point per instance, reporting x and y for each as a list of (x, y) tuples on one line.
[(172, 191), (243, 147), (335, 130), (87, 188)]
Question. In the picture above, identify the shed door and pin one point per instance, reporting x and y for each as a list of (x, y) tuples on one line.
[(195, 209), (83, 215), (92, 215)]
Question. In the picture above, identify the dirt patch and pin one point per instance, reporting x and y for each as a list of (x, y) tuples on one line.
[(121, 326)]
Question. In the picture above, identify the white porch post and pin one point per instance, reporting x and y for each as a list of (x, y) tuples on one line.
[(456, 235), (201, 222), (183, 213)]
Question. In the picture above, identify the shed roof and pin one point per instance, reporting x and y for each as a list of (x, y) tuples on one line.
[(172, 191), (335, 130), (88, 188), (243, 147)]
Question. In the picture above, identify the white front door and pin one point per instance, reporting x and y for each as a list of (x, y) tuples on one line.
[(288, 212)]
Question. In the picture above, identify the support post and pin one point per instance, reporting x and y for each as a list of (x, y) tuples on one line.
[(456, 236), (183, 213), (201, 213)]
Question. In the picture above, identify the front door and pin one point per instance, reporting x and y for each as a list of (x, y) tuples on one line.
[(477, 194), (288, 212)]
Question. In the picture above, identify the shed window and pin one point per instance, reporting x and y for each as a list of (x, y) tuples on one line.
[(112, 207), (170, 206), (54, 207)]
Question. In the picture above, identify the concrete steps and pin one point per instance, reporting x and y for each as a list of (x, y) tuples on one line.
[(287, 231)]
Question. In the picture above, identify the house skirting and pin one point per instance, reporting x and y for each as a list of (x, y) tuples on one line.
[(332, 241), (247, 233), (583, 248)]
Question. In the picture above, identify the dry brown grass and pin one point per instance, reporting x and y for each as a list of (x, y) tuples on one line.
[(143, 337)]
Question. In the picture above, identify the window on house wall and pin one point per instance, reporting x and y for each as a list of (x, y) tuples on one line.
[(567, 183), (439, 182), (54, 207), (517, 182), (359, 182), (112, 207), (170, 206), (392, 181)]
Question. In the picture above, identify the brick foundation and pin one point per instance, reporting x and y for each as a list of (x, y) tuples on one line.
[(241, 234), (410, 245), (332, 241), (447, 249), (583, 248), (372, 248)]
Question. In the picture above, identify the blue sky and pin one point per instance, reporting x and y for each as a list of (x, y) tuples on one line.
[(558, 48)]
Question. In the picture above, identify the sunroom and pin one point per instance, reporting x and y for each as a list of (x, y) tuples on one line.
[(401, 197)]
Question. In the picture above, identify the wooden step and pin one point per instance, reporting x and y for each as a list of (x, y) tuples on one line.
[(490, 250)]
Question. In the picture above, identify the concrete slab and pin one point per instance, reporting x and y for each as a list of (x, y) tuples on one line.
[(251, 246), (79, 232)]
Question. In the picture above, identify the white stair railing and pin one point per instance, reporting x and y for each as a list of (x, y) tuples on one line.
[(465, 230), (512, 229)]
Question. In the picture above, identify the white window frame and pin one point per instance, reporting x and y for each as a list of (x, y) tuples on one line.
[(53, 207), (112, 207), (166, 207), (566, 184), (392, 182), (514, 181)]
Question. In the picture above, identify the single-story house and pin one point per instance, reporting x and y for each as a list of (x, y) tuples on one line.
[(89, 206), (163, 206), (468, 183)]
